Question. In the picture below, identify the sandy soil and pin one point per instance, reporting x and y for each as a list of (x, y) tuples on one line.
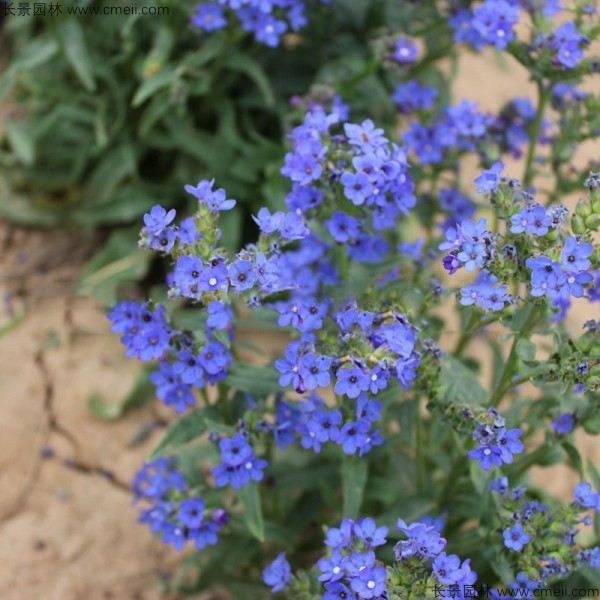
[(67, 528)]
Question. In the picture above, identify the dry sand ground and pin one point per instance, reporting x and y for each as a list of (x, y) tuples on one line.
[(69, 532)]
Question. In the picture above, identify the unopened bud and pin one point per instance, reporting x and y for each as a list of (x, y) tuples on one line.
[(592, 222), (578, 225), (583, 209)]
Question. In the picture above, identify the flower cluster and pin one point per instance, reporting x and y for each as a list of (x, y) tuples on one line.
[(352, 570), (238, 465), (531, 529), (267, 20), (557, 270), (460, 128), (497, 445), (491, 23), (422, 554), (314, 425), (173, 514)]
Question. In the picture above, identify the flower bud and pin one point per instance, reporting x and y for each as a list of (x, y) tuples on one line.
[(593, 221), (578, 225), (583, 209)]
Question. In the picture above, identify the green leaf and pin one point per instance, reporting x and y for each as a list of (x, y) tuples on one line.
[(72, 40), (575, 457), (151, 85), (187, 428), (21, 141), (526, 350), (118, 262), (36, 52), (249, 496), (141, 392), (251, 68), (354, 479), (463, 385), (594, 474), (257, 381)]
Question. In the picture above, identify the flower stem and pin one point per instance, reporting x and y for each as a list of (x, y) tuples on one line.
[(505, 382), (544, 94)]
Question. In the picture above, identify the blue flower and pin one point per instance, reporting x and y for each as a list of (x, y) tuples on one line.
[(367, 531), (564, 424), (215, 200), (488, 456), (158, 219), (314, 371), (191, 512), (357, 187), (351, 381), (515, 538), (209, 17), (405, 51), (242, 275), (447, 568), (499, 485), (509, 443), (413, 96), (370, 582), (235, 450), (332, 568), (524, 583), (489, 180), (494, 21), (575, 255), (278, 574), (337, 591), (584, 496), (343, 227)]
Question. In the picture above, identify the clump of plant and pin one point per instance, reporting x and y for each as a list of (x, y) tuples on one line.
[(372, 459)]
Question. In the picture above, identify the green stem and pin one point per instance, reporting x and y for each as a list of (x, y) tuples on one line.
[(544, 95), (505, 383), (466, 335), (420, 456)]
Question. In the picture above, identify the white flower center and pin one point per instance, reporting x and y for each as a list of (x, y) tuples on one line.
[(212, 281), (335, 570), (403, 51), (248, 465), (371, 585)]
